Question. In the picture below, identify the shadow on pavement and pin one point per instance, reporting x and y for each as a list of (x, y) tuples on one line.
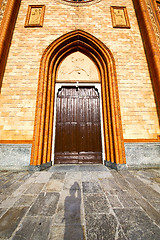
[(72, 214)]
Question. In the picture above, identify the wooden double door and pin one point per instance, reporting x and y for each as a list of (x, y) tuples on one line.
[(78, 126)]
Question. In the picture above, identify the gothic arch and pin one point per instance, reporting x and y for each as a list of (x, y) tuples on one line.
[(77, 40)]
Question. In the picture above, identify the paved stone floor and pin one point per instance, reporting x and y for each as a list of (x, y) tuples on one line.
[(74, 202)]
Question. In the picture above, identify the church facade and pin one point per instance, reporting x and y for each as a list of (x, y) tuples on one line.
[(80, 83)]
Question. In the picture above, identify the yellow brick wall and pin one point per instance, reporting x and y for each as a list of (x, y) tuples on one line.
[(19, 89)]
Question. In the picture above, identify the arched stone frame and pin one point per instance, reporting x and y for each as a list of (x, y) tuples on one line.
[(77, 40)]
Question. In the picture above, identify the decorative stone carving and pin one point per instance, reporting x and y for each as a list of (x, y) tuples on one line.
[(119, 17), (154, 21), (2, 9), (77, 67), (35, 16), (78, 3)]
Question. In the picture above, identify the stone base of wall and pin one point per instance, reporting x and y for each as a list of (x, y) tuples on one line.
[(138, 155), (115, 166), (142, 155), (15, 156)]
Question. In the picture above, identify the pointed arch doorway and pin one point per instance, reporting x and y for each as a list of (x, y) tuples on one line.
[(102, 57)]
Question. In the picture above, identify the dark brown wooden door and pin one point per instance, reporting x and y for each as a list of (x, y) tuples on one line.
[(78, 129)]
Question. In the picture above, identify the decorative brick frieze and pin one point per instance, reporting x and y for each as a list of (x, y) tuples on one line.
[(2, 9), (155, 23)]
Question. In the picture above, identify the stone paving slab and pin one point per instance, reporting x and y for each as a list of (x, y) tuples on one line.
[(80, 202)]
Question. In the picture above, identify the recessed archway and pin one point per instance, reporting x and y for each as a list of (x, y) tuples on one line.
[(54, 54)]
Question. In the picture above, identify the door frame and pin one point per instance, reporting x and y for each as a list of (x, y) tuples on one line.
[(96, 86), (53, 55)]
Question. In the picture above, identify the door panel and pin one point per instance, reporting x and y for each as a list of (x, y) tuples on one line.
[(78, 129)]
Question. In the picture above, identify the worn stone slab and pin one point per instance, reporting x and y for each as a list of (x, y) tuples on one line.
[(146, 191), (102, 175), (2, 197), (25, 176), (25, 200), (95, 176), (149, 209), (64, 168), (43, 177), (137, 225), (9, 202), (26, 228), (42, 229), (73, 175), (149, 194), (88, 176), (114, 201), (156, 206), (72, 183), (8, 183), (126, 200), (131, 189), (20, 190), (156, 171), (56, 232), (120, 179), (151, 182), (93, 168), (102, 226), (34, 188), (146, 173), (132, 179), (67, 232), (33, 228), (11, 184), (10, 220), (2, 211), (45, 204), (110, 187), (91, 187), (54, 185), (12, 188), (78, 168), (58, 175), (96, 203)]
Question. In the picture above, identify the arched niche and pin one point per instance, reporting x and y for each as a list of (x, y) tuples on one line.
[(55, 53)]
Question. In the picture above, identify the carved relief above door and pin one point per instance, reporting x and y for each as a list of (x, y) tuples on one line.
[(77, 67)]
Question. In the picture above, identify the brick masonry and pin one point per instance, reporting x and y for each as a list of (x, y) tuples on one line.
[(19, 88)]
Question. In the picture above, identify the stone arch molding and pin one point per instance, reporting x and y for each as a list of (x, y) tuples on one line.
[(77, 40)]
